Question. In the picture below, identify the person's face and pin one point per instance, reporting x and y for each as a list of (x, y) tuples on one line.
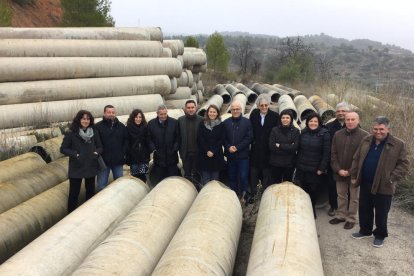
[(162, 114), (285, 119), (264, 107), (138, 119), (313, 123), (235, 110), (340, 114), (85, 121), (351, 120), (212, 114), (190, 109), (380, 132), (110, 113)]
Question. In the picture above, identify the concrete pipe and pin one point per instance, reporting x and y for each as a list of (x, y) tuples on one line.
[(63, 111), (72, 89), (99, 33), (199, 68), (285, 102), (194, 88), (144, 234), (200, 85), (42, 133), (166, 52), (175, 104), (20, 164), (332, 99), (233, 90), (183, 80), (78, 48), (325, 110), (259, 88), (219, 89), (50, 68), (196, 77), (18, 143), (273, 93), (250, 95), (17, 190), (190, 78), (241, 98), (285, 240), (181, 60), (176, 46), (62, 248), (180, 94), (192, 58), (28, 220), (206, 242), (200, 96), (173, 113), (217, 100), (174, 85), (49, 149), (303, 106)]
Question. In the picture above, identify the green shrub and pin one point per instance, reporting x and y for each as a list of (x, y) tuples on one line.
[(5, 14), (25, 2)]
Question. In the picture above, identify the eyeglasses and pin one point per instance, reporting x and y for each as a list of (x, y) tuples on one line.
[(235, 109), (264, 105)]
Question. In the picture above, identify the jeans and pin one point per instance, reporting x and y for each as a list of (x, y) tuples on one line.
[(117, 172), (74, 190), (209, 176), (238, 173)]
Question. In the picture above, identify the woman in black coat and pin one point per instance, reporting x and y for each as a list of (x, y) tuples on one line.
[(83, 146), (313, 156), (283, 144), (210, 139), (138, 154)]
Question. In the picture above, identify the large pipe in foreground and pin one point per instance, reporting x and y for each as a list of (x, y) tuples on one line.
[(49, 149), (19, 143), (15, 115), (219, 89), (286, 102), (28, 220), (325, 110), (176, 104), (180, 94), (17, 190), (285, 241), (50, 68), (19, 165), (217, 100), (63, 247), (144, 234), (206, 242), (241, 98), (100, 33), (250, 95), (303, 106), (72, 89), (78, 48)]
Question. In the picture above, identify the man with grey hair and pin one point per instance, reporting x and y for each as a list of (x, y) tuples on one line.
[(378, 164), (164, 140), (262, 120), (333, 126)]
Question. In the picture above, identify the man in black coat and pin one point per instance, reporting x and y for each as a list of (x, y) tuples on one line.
[(164, 141), (114, 138), (262, 120)]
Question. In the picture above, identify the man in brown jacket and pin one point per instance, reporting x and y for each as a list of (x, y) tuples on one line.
[(344, 144), (379, 162)]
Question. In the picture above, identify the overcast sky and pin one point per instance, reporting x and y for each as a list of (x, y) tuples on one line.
[(386, 21)]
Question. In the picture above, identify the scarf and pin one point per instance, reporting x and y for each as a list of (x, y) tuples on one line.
[(211, 124), (86, 135)]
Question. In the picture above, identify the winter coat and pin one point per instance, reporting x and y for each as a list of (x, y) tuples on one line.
[(86, 164), (114, 138), (333, 127), (182, 122), (164, 139), (285, 155), (238, 132), (138, 146), (392, 165), (259, 151), (210, 140), (314, 150)]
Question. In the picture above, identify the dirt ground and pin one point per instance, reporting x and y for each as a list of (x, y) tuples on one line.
[(342, 255)]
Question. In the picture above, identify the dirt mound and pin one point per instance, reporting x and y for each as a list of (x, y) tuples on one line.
[(44, 13)]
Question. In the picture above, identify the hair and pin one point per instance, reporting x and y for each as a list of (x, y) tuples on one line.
[(76, 125), (190, 101), (382, 120), (108, 106), (311, 116), (286, 112), (162, 107), (206, 118), (343, 105), (263, 98), (134, 113)]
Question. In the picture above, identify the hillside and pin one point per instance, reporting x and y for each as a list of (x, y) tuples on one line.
[(43, 13)]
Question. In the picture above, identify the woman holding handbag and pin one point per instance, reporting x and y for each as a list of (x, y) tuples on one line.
[(138, 153), (83, 146)]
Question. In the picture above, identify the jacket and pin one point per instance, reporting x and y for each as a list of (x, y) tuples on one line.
[(344, 145), (259, 152), (114, 138), (314, 150), (182, 122), (86, 165), (164, 140), (334, 126), (392, 165), (210, 140), (285, 155), (238, 132), (138, 146)]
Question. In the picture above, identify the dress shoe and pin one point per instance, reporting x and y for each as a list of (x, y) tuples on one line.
[(331, 212), (336, 221), (349, 225)]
